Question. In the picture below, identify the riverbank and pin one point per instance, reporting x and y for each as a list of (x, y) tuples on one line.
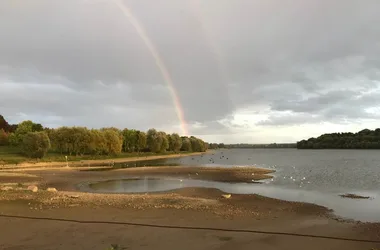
[(95, 162), (190, 207)]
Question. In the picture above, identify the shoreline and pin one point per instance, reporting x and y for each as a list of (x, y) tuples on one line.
[(97, 162), (197, 207)]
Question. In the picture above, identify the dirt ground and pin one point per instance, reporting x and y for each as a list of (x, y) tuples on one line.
[(190, 218)]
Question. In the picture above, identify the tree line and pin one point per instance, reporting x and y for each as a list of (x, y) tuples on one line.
[(35, 141), (271, 145), (364, 139)]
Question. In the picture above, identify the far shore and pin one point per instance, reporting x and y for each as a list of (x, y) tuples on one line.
[(97, 162)]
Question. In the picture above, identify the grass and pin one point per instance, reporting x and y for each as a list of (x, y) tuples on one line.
[(11, 155)]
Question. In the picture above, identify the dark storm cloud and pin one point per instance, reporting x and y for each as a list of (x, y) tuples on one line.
[(303, 61)]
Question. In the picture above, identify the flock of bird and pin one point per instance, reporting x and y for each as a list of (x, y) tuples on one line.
[(301, 182)]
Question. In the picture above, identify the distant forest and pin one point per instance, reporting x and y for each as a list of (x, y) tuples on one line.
[(365, 139)]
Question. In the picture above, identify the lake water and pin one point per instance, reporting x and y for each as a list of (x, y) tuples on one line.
[(316, 176)]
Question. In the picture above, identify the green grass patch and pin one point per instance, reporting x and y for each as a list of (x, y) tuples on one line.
[(11, 155)]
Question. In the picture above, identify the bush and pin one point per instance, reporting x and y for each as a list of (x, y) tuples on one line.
[(35, 144)]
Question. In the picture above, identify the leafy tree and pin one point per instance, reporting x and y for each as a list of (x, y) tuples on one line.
[(23, 128), (175, 142), (4, 125), (3, 138), (35, 144), (113, 141), (153, 140), (195, 145), (130, 138), (164, 141), (186, 144), (141, 141), (98, 144)]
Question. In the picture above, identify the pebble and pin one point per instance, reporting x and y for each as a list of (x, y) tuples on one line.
[(226, 196), (50, 189), (33, 188), (6, 188)]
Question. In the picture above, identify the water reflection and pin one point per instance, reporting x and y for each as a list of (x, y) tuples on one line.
[(363, 210)]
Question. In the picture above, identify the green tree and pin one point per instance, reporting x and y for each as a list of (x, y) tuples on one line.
[(175, 142), (164, 141), (35, 144), (130, 138), (3, 138), (153, 140), (195, 144), (141, 141), (98, 144), (23, 128), (113, 141), (186, 144)]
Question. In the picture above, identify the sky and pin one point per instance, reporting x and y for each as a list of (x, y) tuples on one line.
[(250, 71)]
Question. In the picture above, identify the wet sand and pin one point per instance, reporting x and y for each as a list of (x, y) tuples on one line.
[(190, 207)]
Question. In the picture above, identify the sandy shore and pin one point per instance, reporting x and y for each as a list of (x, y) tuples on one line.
[(190, 207)]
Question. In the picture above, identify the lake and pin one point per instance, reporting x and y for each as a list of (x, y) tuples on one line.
[(316, 176)]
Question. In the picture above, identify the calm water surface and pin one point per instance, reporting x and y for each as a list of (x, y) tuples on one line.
[(316, 176)]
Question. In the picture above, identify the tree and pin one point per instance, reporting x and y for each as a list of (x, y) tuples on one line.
[(130, 140), (364, 139), (186, 144), (36, 127), (4, 125), (195, 146), (23, 128), (153, 140), (164, 142), (98, 144), (175, 142), (35, 144), (3, 138), (113, 141), (141, 141)]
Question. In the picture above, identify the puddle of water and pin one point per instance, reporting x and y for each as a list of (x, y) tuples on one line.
[(363, 210)]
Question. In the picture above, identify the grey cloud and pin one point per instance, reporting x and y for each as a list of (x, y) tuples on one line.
[(289, 119), (308, 57), (335, 106)]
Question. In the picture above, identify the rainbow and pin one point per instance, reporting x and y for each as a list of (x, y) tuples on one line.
[(159, 62)]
